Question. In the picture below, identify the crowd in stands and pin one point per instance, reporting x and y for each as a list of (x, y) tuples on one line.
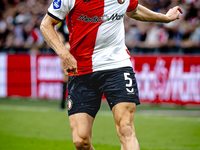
[(20, 21), (180, 36)]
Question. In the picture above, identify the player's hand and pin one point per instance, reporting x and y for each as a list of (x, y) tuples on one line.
[(68, 63), (174, 13)]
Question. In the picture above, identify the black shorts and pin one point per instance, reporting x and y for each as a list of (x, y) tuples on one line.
[(85, 91)]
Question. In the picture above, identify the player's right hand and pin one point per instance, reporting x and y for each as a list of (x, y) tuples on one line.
[(68, 63)]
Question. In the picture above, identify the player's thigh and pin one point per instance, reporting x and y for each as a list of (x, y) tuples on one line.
[(81, 126), (124, 113), (82, 96)]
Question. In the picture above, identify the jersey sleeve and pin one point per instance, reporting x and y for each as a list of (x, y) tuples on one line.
[(132, 5), (60, 8)]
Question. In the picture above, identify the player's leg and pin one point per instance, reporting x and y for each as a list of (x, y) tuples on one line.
[(121, 93), (81, 127), (123, 115), (83, 103)]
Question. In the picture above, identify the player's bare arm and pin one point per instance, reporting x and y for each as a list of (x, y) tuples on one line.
[(68, 62), (141, 13)]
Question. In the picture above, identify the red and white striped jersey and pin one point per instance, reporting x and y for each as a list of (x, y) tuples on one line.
[(96, 32)]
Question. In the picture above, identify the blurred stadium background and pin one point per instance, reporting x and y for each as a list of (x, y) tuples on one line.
[(165, 57)]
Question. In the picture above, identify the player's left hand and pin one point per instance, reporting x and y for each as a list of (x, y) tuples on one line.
[(174, 13)]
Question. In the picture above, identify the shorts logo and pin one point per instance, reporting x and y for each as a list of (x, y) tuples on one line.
[(130, 91), (121, 1), (56, 4), (69, 104)]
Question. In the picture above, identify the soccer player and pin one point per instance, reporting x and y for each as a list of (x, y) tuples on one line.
[(98, 62)]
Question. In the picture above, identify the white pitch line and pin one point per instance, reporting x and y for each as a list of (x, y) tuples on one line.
[(176, 148), (24, 108), (170, 112), (107, 113)]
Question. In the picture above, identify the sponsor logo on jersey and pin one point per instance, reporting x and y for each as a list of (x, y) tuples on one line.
[(113, 17), (104, 18), (121, 1), (94, 19), (69, 104), (56, 4)]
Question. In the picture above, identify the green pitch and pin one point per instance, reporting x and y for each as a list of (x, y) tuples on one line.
[(40, 125)]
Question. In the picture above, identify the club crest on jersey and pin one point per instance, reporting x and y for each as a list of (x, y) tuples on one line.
[(121, 1), (56, 4), (69, 104)]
